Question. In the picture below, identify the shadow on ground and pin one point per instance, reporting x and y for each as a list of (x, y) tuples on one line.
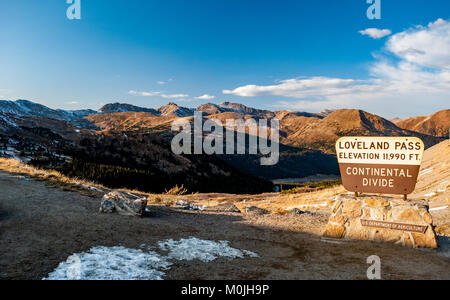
[(46, 225)]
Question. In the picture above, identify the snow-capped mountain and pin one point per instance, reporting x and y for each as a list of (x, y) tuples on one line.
[(31, 109)]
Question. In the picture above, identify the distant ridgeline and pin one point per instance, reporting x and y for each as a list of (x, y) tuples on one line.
[(124, 152)]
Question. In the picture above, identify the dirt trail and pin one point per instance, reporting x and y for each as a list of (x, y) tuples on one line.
[(41, 226)]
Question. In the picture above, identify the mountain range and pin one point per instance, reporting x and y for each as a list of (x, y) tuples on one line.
[(437, 124), (306, 139)]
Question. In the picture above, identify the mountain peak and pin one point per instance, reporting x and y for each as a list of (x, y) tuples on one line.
[(437, 124), (240, 108), (173, 110), (123, 107)]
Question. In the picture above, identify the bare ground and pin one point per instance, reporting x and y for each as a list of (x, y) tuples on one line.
[(41, 226)]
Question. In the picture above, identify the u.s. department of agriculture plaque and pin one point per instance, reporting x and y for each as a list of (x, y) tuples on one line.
[(385, 165)]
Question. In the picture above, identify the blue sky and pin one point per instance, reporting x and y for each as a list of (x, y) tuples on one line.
[(300, 55)]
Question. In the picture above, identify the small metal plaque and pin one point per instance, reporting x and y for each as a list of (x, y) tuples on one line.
[(394, 226)]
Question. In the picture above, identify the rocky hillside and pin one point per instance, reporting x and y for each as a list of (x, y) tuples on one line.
[(307, 139), (437, 124), (322, 134), (434, 176), (173, 110), (32, 109), (134, 160)]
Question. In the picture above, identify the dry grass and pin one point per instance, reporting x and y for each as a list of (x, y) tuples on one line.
[(177, 191), (53, 178), (443, 230)]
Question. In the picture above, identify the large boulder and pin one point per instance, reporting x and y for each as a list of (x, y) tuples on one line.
[(123, 203)]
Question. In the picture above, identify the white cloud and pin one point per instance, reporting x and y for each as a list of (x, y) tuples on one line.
[(438, 22), (72, 103), (174, 96), (144, 94), (205, 97), (425, 46), (159, 94), (161, 82), (418, 78), (301, 88), (376, 33)]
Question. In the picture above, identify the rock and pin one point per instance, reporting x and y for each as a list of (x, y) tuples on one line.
[(387, 235), (297, 211), (341, 220), (337, 204), (194, 207), (123, 203), (356, 231), (374, 202), (379, 214), (352, 209), (427, 240), (334, 231), (107, 206), (256, 210), (428, 218), (410, 215)]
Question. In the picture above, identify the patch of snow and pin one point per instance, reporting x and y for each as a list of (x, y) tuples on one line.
[(206, 251), (189, 206), (120, 263), (92, 188), (181, 203), (424, 172), (12, 142), (332, 241), (429, 195), (319, 205), (9, 122), (114, 263), (438, 208)]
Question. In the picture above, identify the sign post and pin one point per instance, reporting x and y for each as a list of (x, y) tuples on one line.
[(382, 165)]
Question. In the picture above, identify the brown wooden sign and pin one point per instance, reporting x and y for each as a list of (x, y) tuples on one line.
[(384, 165), (394, 226)]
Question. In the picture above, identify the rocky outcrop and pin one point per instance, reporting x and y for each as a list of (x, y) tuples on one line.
[(123, 203), (253, 210), (383, 219)]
